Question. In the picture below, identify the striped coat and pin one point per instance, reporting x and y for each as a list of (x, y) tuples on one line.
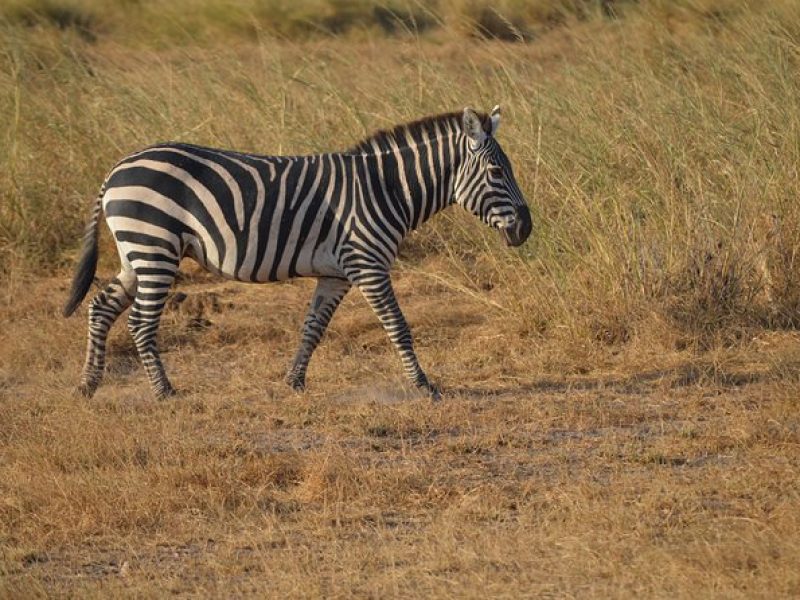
[(338, 217)]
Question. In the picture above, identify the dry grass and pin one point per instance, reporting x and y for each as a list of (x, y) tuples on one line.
[(620, 417), (180, 22), (540, 474), (650, 146)]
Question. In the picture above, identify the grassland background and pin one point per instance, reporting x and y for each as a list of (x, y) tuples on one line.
[(658, 148), (622, 416)]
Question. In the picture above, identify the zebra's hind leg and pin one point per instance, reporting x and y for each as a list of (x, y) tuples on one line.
[(104, 309), (327, 296), (376, 286), (152, 287)]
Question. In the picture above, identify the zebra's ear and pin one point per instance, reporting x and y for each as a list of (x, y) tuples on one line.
[(473, 127), (495, 117)]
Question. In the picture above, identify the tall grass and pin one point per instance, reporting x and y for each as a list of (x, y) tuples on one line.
[(191, 21), (653, 146)]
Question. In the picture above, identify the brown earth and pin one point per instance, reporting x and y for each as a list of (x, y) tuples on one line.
[(605, 471)]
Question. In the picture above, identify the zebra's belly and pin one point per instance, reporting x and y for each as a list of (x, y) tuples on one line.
[(303, 262)]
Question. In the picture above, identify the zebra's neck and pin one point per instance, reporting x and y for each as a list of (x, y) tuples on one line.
[(411, 170)]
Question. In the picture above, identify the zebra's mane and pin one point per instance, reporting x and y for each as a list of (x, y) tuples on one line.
[(412, 133)]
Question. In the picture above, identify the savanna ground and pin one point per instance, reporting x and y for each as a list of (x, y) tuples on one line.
[(620, 414)]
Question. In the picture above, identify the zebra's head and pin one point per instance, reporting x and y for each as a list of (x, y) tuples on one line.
[(485, 183)]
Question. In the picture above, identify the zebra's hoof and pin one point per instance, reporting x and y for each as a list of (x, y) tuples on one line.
[(296, 383), (435, 393), (166, 393), (85, 390)]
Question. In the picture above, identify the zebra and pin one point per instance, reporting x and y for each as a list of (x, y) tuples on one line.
[(338, 217)]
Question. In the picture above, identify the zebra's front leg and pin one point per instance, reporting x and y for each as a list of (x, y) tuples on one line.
[(378, 291), (327, 296)]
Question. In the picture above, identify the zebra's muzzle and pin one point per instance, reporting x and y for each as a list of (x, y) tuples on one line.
[(517, 233)]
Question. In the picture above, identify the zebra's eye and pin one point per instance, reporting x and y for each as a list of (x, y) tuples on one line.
[(495, 172)]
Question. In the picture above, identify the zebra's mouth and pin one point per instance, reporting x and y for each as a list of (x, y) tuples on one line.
[(516, 234)]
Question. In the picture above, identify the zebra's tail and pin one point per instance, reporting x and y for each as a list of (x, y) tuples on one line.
[(87, 265)]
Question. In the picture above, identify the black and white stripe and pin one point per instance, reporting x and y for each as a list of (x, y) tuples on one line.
[(338, 217)]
